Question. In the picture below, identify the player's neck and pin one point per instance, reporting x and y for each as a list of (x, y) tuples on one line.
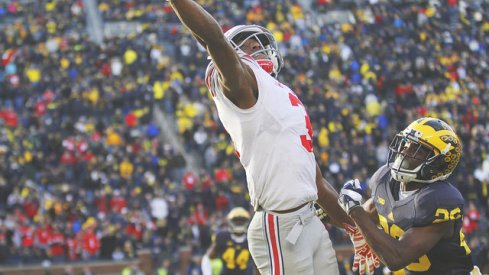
[(410, 186), (238, 238)]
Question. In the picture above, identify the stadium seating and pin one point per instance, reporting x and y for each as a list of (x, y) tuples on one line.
[(81, 152)]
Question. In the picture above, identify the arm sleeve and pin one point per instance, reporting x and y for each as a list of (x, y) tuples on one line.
[(206, 265)]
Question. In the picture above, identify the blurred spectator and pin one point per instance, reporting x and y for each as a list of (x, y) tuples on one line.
[(471, 219), (132, 269), (79, 144)]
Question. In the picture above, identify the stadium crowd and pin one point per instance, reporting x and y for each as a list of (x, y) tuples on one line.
[(84, 174)]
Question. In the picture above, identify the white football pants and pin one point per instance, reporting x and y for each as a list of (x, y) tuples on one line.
[(295, 243)]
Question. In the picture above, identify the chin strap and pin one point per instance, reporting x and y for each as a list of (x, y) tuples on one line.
[(266, 64)]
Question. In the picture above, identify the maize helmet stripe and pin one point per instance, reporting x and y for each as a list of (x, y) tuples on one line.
[(436, 136), (431, 133)]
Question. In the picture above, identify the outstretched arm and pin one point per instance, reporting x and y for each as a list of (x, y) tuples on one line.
[(237, 79), (413, 244), (211, 254), (395, 253), (212, 251), (327, 198), (363, 259), (202, 25)]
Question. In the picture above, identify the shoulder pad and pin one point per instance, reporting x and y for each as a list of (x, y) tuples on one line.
[(378, 177), (211, 78), (222, 237), (438, 202)]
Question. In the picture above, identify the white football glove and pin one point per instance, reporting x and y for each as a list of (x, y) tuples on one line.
[(350, 195), (364, 258)]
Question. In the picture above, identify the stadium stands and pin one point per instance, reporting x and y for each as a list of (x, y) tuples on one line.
[(85, 175)]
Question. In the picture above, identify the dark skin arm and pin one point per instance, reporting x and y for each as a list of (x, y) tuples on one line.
[(237, 79), (414, 243), (369, 207), (212, 251), (327, 199)]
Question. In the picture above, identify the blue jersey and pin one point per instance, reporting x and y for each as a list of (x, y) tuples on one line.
[(235, 255), (433, 203)]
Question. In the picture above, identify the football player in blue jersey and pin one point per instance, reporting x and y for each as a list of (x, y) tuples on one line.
[(231, 246), (418, 209)]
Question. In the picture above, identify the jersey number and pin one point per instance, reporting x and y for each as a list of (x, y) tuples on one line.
[(231, 261), (423, 263), (306, 140), (444, 215)]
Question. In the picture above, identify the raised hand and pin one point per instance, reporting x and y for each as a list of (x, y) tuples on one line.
[(351, 195)]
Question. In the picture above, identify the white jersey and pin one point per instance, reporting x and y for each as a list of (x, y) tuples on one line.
[(273, 140)]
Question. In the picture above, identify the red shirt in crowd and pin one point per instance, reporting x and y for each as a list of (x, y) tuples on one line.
[(56, 244), (199, 216), (3, 237), (101, 203), (27, 236), (9, 117), (72, 246), (404, 89), (452, 3), (67, 158), (117, 203), (222, 175), (90, 244), (31, 207), (189, 180), (42, 235), (222, 202), (471, 221), (135, 230)]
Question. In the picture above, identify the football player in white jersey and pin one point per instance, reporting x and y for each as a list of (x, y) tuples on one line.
[(272, 136)]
